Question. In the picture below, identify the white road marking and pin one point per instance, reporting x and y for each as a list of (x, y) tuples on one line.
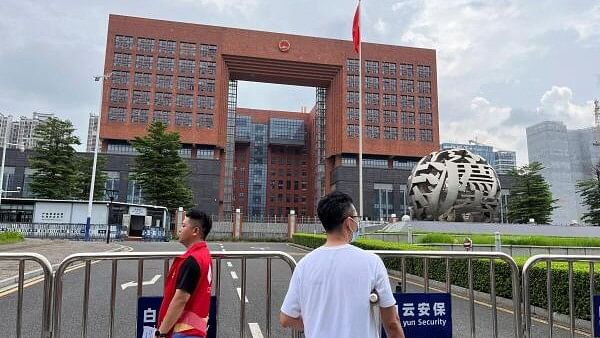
[(255, 330), (132, 283), (234, 275), (229, 264), (239, 292)]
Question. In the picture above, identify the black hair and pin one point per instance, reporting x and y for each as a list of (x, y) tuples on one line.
[(201, 219), (333, 208)]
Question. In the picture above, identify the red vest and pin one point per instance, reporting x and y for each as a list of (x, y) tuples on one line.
[(194, 318)]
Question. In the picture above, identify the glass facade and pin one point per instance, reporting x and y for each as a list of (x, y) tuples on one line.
[(383, 202), (286, 131), (257, 171), (113, 180)]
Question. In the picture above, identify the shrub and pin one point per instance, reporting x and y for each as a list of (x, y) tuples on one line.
[(10, 237)]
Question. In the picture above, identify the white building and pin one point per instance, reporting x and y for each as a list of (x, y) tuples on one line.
[(21, 131)]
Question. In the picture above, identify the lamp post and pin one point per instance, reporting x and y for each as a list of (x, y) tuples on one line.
[(6, 144), (111, 193), (100, 78)]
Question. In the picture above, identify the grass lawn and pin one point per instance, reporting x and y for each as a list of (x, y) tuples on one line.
[(10, 237)]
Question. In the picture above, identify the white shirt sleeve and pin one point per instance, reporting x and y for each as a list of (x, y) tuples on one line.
[(291, 302), (382, 286)]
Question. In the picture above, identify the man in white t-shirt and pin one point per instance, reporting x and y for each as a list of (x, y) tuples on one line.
[(330, 288)]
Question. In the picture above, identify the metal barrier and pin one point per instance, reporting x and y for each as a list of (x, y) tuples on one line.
[(426, 256), (46, 268), (140, 257), (549, 259), (63, 230)]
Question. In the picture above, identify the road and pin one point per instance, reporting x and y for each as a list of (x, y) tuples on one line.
[(229, 299)]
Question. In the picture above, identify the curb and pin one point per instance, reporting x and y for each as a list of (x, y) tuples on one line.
[(11, 282)]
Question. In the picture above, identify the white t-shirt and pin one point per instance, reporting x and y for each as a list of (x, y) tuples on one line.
[(330, 290)]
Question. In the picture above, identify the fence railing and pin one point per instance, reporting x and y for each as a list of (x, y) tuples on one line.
[(73, 231)]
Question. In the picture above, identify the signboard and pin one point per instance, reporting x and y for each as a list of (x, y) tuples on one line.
[(147, 316), (596, 316), (137, 211), (425, 315)]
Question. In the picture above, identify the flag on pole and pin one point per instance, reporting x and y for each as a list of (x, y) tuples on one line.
[(356, 28)]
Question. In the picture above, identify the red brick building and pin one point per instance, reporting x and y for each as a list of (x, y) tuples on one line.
[(186, 76)]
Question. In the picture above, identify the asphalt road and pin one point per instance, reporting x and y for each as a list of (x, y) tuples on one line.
[(229, 322)]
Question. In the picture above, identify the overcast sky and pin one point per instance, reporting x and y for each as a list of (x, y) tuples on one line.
[(502, 65)]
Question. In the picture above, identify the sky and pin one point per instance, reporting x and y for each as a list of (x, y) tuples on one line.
[(502, 65)]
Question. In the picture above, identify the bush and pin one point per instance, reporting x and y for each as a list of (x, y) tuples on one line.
[(10, 237), (481, 274), (510, 240)]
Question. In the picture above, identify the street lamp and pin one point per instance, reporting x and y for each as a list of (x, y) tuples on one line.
[(6, 144), (111, 193), (100, 78)]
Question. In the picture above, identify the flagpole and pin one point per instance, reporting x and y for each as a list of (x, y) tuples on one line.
[(360, 121)]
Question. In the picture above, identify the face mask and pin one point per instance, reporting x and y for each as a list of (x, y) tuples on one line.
[(356, 233)]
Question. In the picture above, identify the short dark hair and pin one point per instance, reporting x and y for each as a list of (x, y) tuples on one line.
[(201, 219), (333, 209)]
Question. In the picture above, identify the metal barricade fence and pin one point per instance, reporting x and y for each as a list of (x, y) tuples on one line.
[(529, 271), (46, 268), (431, 260), (87, 258)]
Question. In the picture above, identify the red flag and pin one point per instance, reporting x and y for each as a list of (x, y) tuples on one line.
[(356, 28)]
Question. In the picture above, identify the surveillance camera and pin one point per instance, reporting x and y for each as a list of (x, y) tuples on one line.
[(19, 189)]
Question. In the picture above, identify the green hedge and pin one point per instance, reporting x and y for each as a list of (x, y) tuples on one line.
[(9, 237), (481, 274), (509, 240)]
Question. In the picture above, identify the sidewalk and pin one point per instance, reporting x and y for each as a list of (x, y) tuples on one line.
[(54, 250)]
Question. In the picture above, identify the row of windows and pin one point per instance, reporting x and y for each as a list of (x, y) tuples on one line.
[(389, 68), (389, 116), (146, 63), (183, 119), (389, 85), (389, 100), (390, 133), (186, 49), (289, 185), (162, 99), (379, 163)]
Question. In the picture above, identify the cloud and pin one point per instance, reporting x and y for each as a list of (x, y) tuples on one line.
[(381, 26), (557, 104)]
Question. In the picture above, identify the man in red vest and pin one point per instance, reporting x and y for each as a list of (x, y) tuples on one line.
[(186, 301)]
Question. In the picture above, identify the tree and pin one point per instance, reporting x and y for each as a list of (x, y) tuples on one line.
[(84, 176), (590, 192), (160, 170), (530, 196), (54, 160)]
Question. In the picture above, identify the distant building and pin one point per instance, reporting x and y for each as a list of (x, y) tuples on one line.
[(92, 131), (22, 130), (502, 160), (505, 161)]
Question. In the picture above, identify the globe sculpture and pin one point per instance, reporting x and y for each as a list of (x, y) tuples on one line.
[(453, 185)]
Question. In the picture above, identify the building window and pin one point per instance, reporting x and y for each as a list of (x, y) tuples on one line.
[(144, 62), (383, 201), (206, 102), (426, 135), (206, 153), (373, 116), (375, 163), (372, 67), (187, 66), (407, 102), (143, 79), (139, 116), (424, 72), (163, 99), (123, 42), (352, 66), (389, 100), (348, 161), (185, 101), (208, 68), (165, 64), (185, 83), (352, 114), (352, 81), (372, 82), (407, 86), (408, 134), (407, 118), (390, 116), (161, 116), (112, 183), (390, 133), (187, 49), (206, 85), (204, 120), (118, 95), (372, 99), (167, 47), (372, 132), (164, 81), (425, 119), (425, 103), (141, 97), (406, 70), (145, 45), (352, 130), (120, 78), (183, 119), (208, 51), (404, 164), (116, 114), (388, 69), (122, 60), (120, 148), (134, 191), (389, 85), (352, 98), (424, 87), (185, 152)]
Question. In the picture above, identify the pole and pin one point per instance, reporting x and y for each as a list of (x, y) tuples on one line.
[(109, 218), (360, 123), (8, 120)]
